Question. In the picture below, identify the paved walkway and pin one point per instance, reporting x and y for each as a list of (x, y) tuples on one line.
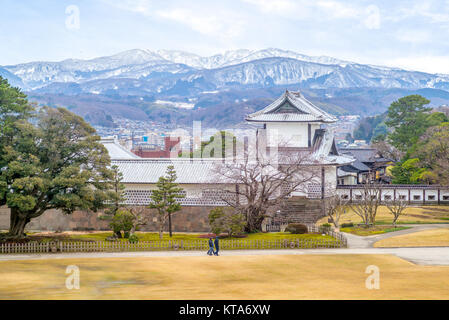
[(423, 256), (355, 241), (356, 245)]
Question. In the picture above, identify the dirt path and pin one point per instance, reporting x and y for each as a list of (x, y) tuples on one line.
[(423, 256), (355, 241)]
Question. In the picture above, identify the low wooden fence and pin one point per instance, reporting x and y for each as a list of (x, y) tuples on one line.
[(310, 228), (125, 246)]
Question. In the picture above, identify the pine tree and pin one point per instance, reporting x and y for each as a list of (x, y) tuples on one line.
[(164, 199), (116, 195)]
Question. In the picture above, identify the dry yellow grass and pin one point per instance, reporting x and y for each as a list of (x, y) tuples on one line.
[(426, 238), (422, 214), (225, 277)]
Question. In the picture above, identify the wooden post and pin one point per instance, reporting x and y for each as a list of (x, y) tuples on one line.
[(322, 181)]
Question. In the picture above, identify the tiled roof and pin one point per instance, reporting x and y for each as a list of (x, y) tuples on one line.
[(324, 154), (149, 170), (364, 154), (343, 173), (306, 111), (116, 151)]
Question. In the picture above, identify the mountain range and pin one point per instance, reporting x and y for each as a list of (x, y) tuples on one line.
[(181, 82)]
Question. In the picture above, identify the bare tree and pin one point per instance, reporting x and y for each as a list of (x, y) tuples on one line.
[(396, 208), (367, 204), (387, 150), (264, 178), (335, 207), (140, 218)]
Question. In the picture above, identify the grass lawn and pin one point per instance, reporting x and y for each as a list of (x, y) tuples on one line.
[(412, 215), (426, 238), (153, 236), (224, 277), (361, 231)]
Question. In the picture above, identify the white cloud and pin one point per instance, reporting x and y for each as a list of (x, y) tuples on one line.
[(139, 6), (273, 5), (431, 64), (413, 36), (223, 26), (338, 9), (372, 20), (433, 13)]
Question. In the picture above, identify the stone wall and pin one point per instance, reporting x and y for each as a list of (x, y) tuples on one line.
[(189, 219), (301, 210)]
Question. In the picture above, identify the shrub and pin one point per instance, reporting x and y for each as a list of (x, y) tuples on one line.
[(325, 227), (122, 221), (133, 238), (296, 228), (347, 225), (230, 222), (216, 220)]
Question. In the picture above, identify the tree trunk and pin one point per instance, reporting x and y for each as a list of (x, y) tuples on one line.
[(17, 224), (161, 229), (169, 225), (254, 221)]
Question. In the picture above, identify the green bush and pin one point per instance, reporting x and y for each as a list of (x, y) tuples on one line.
[(325, 227), (296, 228), (133, 238), (226, 221), (347, 225), (122, 221)]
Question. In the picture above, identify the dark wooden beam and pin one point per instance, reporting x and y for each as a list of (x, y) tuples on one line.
[(309, 134)]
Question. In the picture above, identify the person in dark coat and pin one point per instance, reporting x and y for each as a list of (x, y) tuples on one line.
[(217, 247), (211, 247)]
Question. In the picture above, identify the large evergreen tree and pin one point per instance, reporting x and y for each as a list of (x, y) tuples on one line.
[(408, 118), (56, 162)]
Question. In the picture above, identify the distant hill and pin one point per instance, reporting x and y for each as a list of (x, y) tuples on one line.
[(228, 108), (178, 86)]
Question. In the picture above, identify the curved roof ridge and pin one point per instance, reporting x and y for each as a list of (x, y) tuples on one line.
[(311, 106), (310, 112)]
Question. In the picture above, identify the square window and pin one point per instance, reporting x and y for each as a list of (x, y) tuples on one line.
[(431, 197), (416, 197), (402, 197), (387, 197), (446, 198)]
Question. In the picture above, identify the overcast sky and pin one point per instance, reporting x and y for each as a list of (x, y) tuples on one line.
[(409, 34)]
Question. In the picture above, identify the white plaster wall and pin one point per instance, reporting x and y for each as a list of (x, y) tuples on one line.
[(294, 134), (192, 190), (330, 178)]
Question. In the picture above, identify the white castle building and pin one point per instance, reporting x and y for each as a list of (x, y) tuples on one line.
[(300, 126)]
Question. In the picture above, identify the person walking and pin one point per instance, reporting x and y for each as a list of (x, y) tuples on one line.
[(211, 247), (217, 247)]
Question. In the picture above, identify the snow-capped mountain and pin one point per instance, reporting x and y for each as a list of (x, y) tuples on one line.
[(234, 57), (143, 72)]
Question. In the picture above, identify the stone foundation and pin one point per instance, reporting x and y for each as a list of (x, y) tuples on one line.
[(301, 210), (189, 219)]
